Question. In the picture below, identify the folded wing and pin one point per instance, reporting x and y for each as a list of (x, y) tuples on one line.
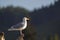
[(19, 25)]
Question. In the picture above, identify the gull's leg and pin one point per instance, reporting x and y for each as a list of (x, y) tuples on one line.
[(21, 36), (21, 33)]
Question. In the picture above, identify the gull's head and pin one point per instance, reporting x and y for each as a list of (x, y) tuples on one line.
[(25, 18)]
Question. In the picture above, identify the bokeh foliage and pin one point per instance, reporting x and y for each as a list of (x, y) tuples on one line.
[(12, 15)]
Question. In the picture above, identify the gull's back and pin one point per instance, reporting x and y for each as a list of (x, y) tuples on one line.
[(19, 25)]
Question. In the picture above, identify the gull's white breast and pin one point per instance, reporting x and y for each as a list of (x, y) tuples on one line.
[(24, 26)]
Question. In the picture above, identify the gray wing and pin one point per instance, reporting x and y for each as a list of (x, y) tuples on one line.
[(19, 25)]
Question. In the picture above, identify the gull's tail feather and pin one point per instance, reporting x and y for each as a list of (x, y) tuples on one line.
[(12, 29)]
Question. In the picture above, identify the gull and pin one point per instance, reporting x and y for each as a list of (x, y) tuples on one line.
[(20, 26)]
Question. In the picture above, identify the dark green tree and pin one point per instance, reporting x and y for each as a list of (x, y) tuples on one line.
[(10, 16)]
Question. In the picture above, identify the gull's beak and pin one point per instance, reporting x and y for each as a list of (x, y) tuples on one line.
[(27, 18)]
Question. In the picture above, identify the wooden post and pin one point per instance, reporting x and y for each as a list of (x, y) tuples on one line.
[(21, 37), (2, 36)]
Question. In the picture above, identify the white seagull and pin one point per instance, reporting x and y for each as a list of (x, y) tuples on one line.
[(20, 26)]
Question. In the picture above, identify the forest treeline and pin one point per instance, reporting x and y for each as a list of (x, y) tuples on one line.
[(46, 20)]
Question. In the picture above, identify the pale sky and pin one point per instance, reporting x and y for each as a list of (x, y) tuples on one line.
[(28, 4)]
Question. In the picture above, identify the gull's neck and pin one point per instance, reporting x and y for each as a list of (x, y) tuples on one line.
[(25, 23)]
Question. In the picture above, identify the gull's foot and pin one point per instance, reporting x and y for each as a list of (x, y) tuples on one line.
[(20, 38), (22, 35)]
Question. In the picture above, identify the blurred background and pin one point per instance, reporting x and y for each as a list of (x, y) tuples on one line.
[(44, 17)]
